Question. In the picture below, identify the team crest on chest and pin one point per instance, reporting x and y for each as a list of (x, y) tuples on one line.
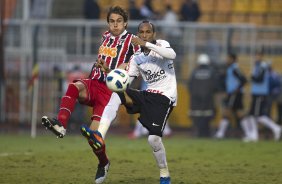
[(154, 59)]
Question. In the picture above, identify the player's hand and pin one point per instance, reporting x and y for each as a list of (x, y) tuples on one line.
[(123, 66), (103, 65), (138, 41)]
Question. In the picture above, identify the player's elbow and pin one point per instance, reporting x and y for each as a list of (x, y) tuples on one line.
[(172, 55)]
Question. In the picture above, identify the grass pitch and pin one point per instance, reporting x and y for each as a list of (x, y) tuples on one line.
[(46, 159)]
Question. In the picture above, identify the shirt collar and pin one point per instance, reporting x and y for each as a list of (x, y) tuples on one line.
[(123, 33)]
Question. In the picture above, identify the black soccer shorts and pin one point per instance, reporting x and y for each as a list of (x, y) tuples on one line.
[(234, 101), (258, 105), (154, 109)]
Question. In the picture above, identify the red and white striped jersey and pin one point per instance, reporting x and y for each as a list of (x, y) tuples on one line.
[(115, 50)]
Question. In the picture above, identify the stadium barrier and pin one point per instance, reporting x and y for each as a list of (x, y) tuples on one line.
[(61, 44)]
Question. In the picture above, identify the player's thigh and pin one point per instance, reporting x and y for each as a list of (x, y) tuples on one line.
[(155, 112), (82, 89), (100, 98), (134, 96), (128, 99)]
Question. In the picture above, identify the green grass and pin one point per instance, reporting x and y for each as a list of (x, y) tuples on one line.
[(191, 161)]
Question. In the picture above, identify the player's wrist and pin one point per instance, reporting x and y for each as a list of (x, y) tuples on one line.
[(148, 44), (107, 70)]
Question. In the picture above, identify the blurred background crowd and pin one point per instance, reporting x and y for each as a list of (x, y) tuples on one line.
[(56, 41)]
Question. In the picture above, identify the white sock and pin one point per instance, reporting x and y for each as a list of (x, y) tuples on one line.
[(104, 126), (254, 128), (266, 121), (222, 128), (245, 127), (109, 114), (159, 154)]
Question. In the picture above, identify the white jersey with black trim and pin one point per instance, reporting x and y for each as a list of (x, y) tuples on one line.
[(156, 70)]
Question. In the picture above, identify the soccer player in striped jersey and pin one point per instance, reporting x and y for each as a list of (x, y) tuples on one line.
[(155, 103), (116, 50)]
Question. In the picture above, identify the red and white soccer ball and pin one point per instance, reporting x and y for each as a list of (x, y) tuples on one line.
[(117, 80)]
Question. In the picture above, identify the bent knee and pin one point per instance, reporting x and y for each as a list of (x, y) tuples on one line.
[(83, 94), (155, 142)]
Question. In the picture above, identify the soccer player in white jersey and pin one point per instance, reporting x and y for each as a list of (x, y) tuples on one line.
[(155, 64)]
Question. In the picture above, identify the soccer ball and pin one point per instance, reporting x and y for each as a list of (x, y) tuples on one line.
[(117, 80)]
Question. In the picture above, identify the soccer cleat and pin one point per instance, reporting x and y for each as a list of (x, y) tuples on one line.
[(54, 125), (277, 133), (101, 173), (249, 139), (94, 137), (165, 180)]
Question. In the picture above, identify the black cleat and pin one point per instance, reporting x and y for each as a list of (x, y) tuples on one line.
[(101, 173), (54, 125)]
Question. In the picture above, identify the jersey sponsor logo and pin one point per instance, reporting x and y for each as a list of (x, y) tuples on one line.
[(154, 91), (154, 59), (150, 75), (170, 66), (154, 76), (107, 51)]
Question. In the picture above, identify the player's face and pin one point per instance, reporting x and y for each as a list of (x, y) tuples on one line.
[(116, 24), (146, 32)]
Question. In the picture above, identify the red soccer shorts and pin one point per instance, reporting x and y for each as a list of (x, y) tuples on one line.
[(98, 96)]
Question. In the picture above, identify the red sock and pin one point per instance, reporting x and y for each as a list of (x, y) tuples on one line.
[(101, 155), (67, 104)]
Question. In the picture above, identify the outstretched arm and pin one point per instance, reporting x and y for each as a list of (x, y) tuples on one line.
[(166, 52)]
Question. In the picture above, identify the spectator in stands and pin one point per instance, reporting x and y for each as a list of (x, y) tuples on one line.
[(190, 11), (260, 90), (233, 103), (172, 32), (40, 9), (202, 87), (91, 9), (134, 11), (170, 19), (147, 11)]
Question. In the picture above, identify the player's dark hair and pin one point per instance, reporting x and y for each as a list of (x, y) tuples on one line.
[(146, 21), (232, 55), (117, 10)]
